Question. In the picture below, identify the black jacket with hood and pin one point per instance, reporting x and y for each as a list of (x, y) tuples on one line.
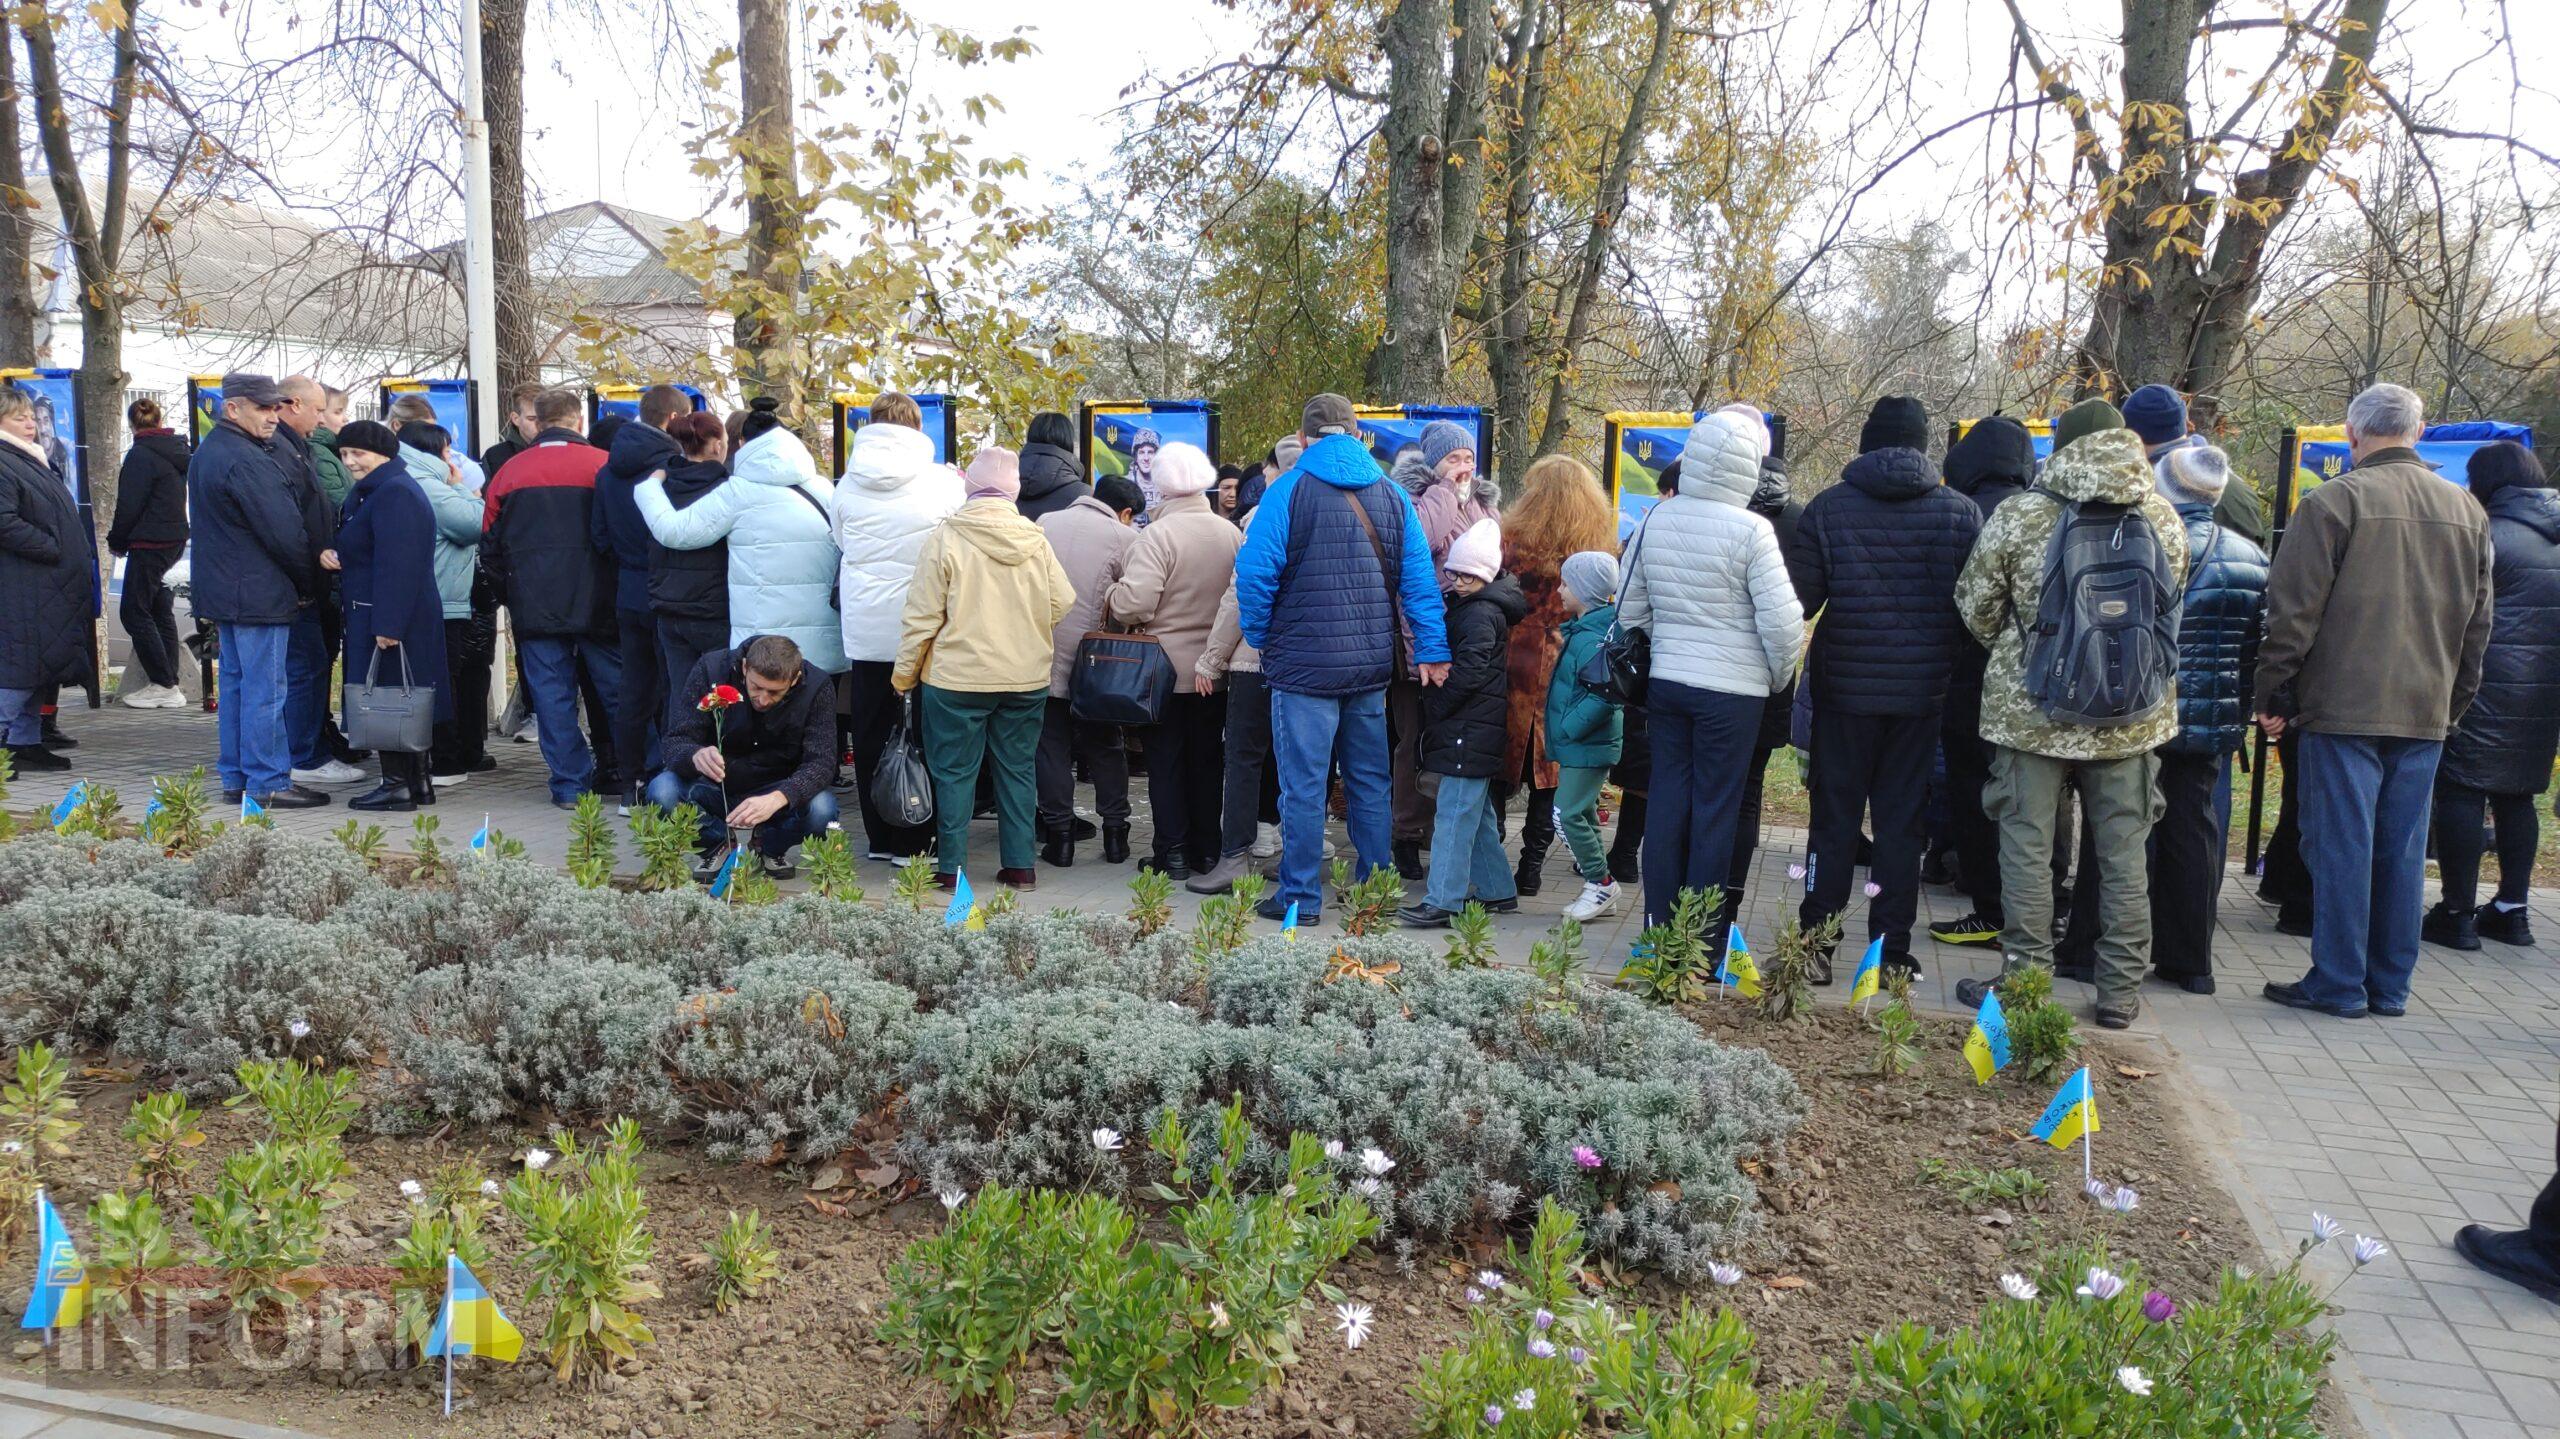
[(1465, 722), (1051, 480), (637, 452), (691, 584), (1877, 555), (2507, 738), (1994, 462), (151, 494), (1775, 501)]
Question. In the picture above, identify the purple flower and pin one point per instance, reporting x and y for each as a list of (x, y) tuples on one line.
[(1874, 889), (1579, 1355), (1795, 871), (1586, 1157), (1492, 1416), (1541, 1349), (2159, 1308), (1545, 1319), (1474, 1295)]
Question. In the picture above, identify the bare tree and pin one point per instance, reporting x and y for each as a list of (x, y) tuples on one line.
[(17, 216), (768, 148), (1439, 57)]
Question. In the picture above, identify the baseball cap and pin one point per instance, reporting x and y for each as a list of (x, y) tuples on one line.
[(1326, 415)]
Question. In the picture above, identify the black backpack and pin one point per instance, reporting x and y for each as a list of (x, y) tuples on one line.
[(2103, 651)]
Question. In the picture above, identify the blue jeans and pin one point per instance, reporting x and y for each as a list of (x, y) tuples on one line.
[(21, 722), (2364, 805), (774, 837), (306, 690), (1466, 847), (1308, 733), (250, 720), (550, 668), (1702, 744)]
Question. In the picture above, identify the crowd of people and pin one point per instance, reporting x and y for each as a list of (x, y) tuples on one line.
[(2028, 677)]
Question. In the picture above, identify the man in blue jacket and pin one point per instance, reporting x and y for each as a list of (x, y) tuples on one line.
[(1329, 584), (252, 567), (640, 449)]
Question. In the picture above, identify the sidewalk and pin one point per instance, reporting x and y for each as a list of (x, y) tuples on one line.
[(2402, 1129)]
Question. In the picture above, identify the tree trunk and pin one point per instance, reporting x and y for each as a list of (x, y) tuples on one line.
[(1439, 64), (1507, 343), (17, 218), (510, 248), (1607, 206), (771, 170)]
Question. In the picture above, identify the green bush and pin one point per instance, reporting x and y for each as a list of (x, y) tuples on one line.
[(966, 1306), (588, 1248), (742, 1259)]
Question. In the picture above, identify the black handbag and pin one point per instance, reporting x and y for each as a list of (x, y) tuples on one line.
[(402, 720), (901, 786), (1618, 670), (1122, 679)]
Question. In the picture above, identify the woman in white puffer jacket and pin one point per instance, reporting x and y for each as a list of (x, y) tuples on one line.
[(891, 498), (1707, 583), (782, 550)]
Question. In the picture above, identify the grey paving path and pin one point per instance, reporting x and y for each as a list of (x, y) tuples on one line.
[(2403, 1129), (28, 1411)]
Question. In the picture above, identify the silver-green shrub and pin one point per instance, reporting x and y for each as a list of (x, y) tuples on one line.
[(578, 1036), (73, 961), (42, 862), (259, 987), (798, 1053), (248, 869)]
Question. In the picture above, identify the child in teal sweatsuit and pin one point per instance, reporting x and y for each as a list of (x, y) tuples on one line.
[(1584, 730)]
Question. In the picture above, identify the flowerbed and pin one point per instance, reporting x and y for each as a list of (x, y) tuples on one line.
[(812, 1029)]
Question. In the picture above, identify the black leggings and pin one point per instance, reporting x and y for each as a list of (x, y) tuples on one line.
[(150, 616), (2461, 838)]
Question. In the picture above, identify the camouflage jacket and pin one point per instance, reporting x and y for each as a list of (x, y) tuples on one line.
[(2001, 585)]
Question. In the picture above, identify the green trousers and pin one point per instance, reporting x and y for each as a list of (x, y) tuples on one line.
[(2119, 801), (1578, 815), (964, 729)]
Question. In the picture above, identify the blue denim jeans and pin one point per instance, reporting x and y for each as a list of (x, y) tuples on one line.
[(2364, 835), (1702, 744), (306, 690), (1308, 733), (254, 756), (550, 668), (774, 837), (21, 720), (1466, 847)]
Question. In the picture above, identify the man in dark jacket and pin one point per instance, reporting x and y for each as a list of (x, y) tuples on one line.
[(2378, 614), (640, 449), (149, 533), (1988, 464), (1325, 586), (520, 425), (320, 753), (1051, 478), (253, 571), (1877, 557), (537, 546), (763, 764)]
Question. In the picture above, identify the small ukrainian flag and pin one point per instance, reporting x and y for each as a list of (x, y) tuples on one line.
[(61, 1295), (1739, 970), (1870, 976), (469, 1323), (963, 912), (2073, 1112), (1987, 1047), (250, 808), (480, 837), (1289, 921), (69, 804), (728, 872)]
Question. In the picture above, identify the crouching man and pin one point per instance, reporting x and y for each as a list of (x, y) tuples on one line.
[(754, 750)]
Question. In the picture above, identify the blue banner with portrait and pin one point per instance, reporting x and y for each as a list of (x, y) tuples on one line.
[(941, 424), (1122, 437), (451, 400), (57, 400), (2449, 447), (1390, 430), (204, 407)]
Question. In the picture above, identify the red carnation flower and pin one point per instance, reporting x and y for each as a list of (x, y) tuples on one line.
[(720, 698)]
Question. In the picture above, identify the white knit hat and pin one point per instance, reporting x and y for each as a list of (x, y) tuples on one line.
[(2195, 474), (1478, 552), (1181, 469)]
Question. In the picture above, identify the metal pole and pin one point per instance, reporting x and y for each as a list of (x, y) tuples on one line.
[(479, 274)]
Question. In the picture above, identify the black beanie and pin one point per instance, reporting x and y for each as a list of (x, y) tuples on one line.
[(372, 436), (1896, 420)]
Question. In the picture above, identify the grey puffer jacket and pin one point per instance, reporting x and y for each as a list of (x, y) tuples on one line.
[(1707, 580)]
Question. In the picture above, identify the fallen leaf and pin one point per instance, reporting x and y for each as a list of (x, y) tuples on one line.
[(826, 1207), (1789, 1281), (2129, 1072), (831, 1177), (884, 1177)]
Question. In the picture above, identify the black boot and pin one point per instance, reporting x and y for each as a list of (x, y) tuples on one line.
[(1058, 847), (392, 795), (1533, 863), (1626, 847), (422, 787), (1409, 865), (2452, 928), (1115, 844)]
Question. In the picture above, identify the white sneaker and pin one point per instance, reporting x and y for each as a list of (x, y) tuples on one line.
[(173, 698), (448, 781), (1266, 840), (153, 697), (1596, 900), (336, 771)]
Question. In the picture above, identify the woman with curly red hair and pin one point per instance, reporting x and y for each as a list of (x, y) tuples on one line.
[(1562, 510)]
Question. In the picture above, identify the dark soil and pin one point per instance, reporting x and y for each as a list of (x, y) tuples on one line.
[(1857, 1240)]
